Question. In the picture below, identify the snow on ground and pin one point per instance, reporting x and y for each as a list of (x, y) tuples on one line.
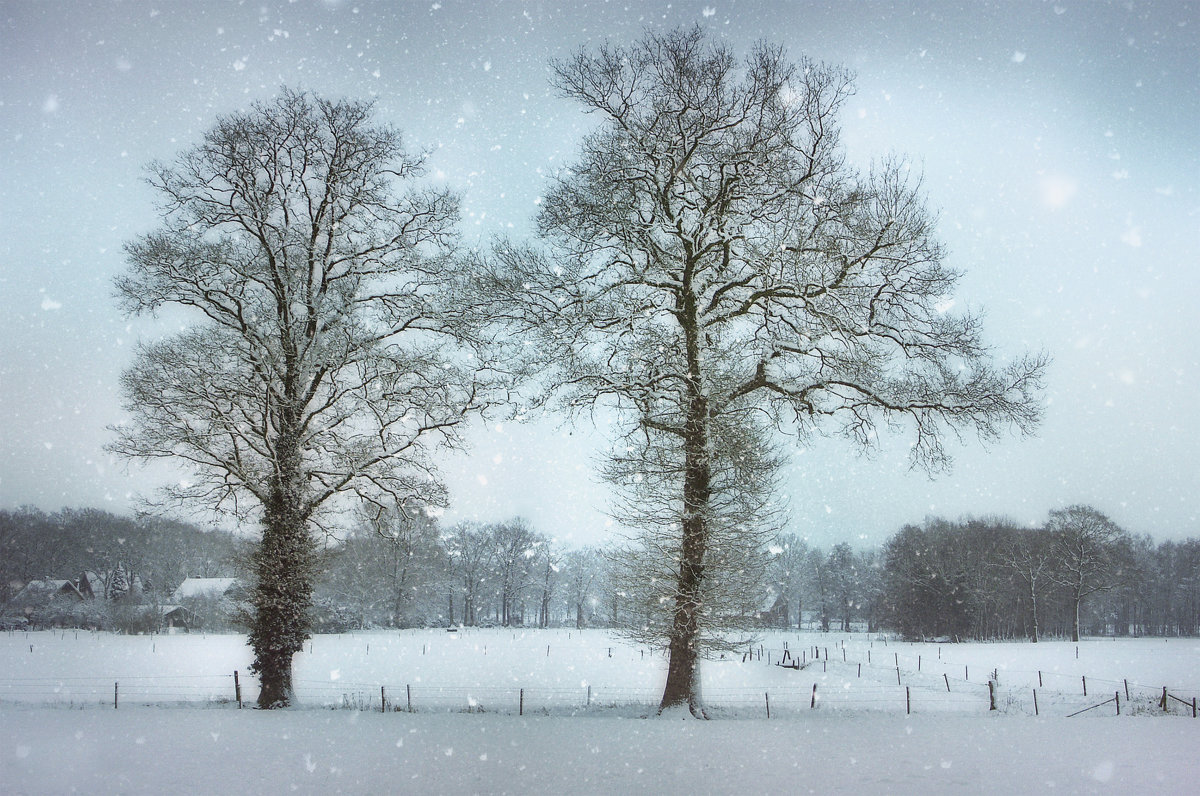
[(160, 750), (584, 694), (563, 671)]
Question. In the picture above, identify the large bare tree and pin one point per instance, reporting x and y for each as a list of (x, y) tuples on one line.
[(1086, 546), (316, 363), (713, 266)]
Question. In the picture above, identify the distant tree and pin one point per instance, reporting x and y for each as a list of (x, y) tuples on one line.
[(1085, 544), (406, 544), (321, 363), (870, 584), (844, 583), (583, 570), (1178, 577), (787, 572), (819, 586), (516, 546), (1029, 556), (118, 583), (716, 270), (928, 581), (469, 546), (356, 579), (548, 566)]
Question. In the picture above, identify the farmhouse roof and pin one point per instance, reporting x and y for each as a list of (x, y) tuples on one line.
[(45, 588)]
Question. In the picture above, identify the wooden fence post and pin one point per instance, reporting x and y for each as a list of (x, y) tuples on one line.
[(117, 687), (1164, 699), (408, 691), (946, 677), (382, 700), (521, 706), (813, 702), (1117, 698), (1035, 705), (767, 697), (1039, 678), (907, 701), (237, 689), (897, 675), (1085, 685), (991, 694), (589, 696), (1126, 689)]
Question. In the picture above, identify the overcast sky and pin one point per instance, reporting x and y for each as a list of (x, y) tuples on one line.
[(1060, 142)]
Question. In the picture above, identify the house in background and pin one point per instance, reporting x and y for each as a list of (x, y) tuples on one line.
[(37, 593), (204, 603), (775, 611)]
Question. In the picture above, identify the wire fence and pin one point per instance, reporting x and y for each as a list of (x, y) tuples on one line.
[(835, 679), (913, 695)]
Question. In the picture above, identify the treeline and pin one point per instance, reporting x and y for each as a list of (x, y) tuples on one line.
[(407, 572), (389, 571), (970, 579), (1080, 573), (155, 552)]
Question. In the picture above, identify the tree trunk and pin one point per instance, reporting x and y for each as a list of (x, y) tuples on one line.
[(682, 685), (1075, 619), (1033, 603), (283, 593)]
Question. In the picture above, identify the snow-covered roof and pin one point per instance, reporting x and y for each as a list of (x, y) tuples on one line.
[(46, 584), (203, 587), (44, 588)]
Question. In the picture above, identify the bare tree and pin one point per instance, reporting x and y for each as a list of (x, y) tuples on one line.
[(317, 365), (549, 568), (712, 263), (789, 554), (819, 586), (411, 553), (471, 558), (516, 545), (1085, 545), (584, 567), (844, 583), (1031, 558), (388, 569)]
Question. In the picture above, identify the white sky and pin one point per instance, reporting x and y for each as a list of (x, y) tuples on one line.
[(1059, 141)]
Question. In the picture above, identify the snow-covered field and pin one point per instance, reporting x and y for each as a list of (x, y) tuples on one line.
[(582, 696)]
